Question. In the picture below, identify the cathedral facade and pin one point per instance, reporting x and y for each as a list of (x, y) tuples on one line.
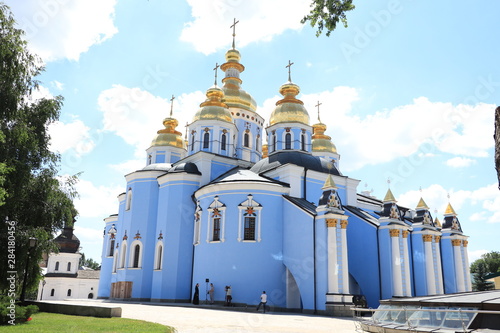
[(221, 207)]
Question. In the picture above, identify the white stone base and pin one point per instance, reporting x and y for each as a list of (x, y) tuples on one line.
[(339, 305)]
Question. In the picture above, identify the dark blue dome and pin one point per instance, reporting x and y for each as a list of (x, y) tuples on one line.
[(305, 160)]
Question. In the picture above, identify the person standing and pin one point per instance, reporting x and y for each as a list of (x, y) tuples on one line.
[(263, 301), (196, 296), (211, 293), (229, 296)]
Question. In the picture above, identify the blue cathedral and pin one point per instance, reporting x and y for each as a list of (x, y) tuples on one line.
[(220, 206)]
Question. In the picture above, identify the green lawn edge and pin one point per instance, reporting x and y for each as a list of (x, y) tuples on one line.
[(55, 322)]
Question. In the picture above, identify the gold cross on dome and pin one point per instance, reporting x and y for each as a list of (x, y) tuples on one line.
[(215, 70), (317, 105), (172, 105), (289, 66), (234, 30)]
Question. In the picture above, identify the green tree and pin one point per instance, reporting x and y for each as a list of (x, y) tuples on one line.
[(33, 201), (89, 263), (488, 263), (326, 14)]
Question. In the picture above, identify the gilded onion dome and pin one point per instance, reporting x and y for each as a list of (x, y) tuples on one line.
[(169, 136), (320, 141), (234, 96), (289, 109), (214, 108)]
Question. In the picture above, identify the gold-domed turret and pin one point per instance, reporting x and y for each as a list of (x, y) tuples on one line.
[(422, 205), (450, 211), (213, 108), (265, 150), (289, 109), (320, 141), (169, 136)]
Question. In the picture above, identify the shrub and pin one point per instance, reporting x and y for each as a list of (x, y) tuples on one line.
[(12, 312)]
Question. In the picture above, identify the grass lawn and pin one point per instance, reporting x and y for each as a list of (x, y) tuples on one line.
[(54, 322)]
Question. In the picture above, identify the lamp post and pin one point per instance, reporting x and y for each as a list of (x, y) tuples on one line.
[(32, 243), (43, 286)]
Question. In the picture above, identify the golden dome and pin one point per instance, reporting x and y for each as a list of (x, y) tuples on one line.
[(320, 141), (422, 205), (265, 150), (213, 108), (389, 197), (450, 211), (234, 96), (289, 109), (168, 136)]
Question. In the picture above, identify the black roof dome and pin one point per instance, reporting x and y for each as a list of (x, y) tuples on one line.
[(305, 160), (67, 241)]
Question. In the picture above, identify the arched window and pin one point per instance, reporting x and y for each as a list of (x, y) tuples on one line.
[(128, 205), (246, 140), (273, 143), (216, 229), (192, 141), (223, 142), (137, 252), (69, 292), (52, 292), (303, 141), (69, 267), (288, 141), (249, 232), (249, 224), (123, 255), (206, 140), (90, 296), (57, 266), (257, 144), (159, 256), (111, 247), (115, 261)]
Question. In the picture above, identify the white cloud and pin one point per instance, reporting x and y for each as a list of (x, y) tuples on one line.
[(92, 238), (460, 162), (96, 201), (136, 115), (58, 85), (422, 128), (129, 166), (484, 201), (58, 29), (259, 20), (74, 136), (474, 255)]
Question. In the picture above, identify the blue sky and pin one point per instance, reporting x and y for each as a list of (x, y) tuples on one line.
[(408, 91)]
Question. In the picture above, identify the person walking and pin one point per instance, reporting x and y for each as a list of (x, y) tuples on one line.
[(211, 293), (263, 301), (196, 295)]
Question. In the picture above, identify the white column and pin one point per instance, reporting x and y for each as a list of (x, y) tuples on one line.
[(459, 268), (406, 263), (397, 277), (429, 265), (468, 283), (345, 264), (439, 269), (333, 280)]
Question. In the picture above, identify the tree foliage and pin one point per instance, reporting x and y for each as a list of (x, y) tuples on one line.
[(488, 263), (89, 263), (33, 200), (326, 14)]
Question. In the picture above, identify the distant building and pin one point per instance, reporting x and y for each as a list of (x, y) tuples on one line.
[(62, 277), (222, 207)]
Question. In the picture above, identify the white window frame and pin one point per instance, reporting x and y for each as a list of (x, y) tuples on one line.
[(159, 257), (197, 224), (128, 202), (242, 207), (216, 204), (123, 254), (131, 256)]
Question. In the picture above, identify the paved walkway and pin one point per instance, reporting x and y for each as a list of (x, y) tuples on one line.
[(189, 319)]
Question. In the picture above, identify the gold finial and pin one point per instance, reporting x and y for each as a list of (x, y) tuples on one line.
[(329, 183), (234, 30), (172, 105), (389, 197), (289, 66), (215, 70), (449, 210), (317, 105)]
